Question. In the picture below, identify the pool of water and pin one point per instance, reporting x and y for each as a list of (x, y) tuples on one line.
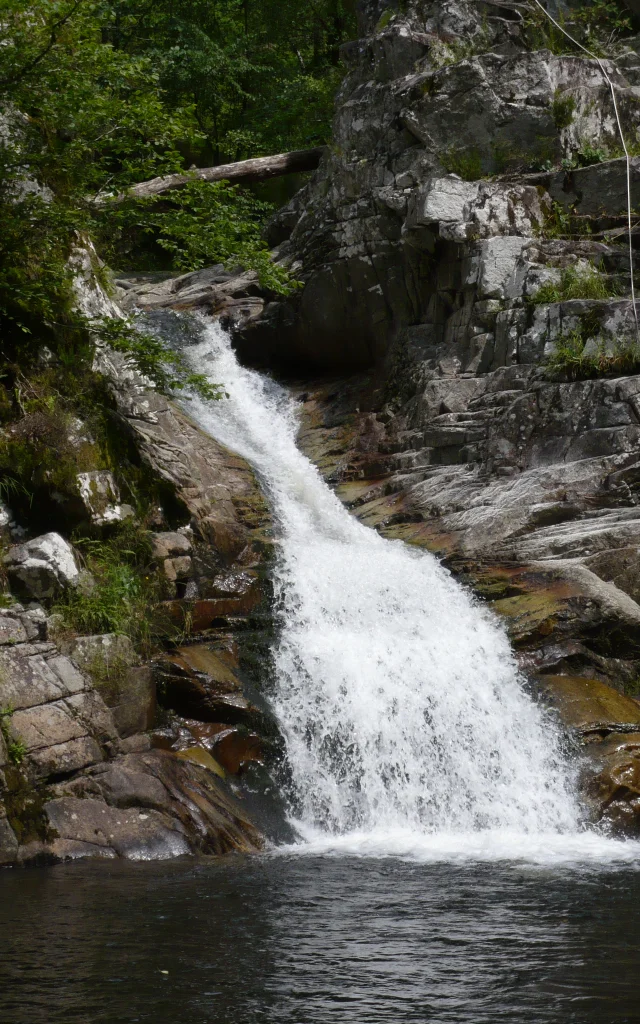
[(319, 940)]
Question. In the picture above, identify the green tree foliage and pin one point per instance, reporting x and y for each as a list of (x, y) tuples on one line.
[(96, 95)]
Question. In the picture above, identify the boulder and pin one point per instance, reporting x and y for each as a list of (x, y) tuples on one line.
[(177, 568), (136, 834), (149, 806), (101, 497), (41, 568), (12, 631), (235, 749), (58, 723), (126, 687), (170, 545)]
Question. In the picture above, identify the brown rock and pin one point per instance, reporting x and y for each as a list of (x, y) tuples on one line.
[(203, 615), (198, 755), (227, 537), (199, 659), (177, 568), (168, 545), (591, 706), (235, 749)]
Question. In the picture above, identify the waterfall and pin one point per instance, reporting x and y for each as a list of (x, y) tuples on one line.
[(405, 720)]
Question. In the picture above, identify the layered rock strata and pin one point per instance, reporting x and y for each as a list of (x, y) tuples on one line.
[(72, 785)]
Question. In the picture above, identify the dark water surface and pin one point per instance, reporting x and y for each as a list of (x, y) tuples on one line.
[(317, 941)]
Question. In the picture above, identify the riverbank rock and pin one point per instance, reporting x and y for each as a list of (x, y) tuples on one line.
[(148, 806), (70, 787)]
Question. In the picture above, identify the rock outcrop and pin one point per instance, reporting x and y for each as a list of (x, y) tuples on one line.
[(102, 754), (71, 783), (447, 149)]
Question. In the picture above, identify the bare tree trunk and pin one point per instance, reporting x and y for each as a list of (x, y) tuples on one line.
[(258, 169)]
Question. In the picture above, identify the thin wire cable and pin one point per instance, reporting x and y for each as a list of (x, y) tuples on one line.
[(605, 75)]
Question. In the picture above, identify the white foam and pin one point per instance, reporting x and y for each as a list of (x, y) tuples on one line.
[(548, 850), (407, 728)]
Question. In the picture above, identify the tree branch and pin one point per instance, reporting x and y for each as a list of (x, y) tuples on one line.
[(258, 169)]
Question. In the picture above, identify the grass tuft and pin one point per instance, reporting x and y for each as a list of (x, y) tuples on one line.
[(574, 283), (125, 588), (569, 361)]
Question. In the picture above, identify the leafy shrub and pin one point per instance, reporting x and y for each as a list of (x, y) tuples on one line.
[(196, 226), (597, 24), (166, 369)]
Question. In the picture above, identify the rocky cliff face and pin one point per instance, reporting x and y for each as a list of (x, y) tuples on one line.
[(460, 245), (388, 234)]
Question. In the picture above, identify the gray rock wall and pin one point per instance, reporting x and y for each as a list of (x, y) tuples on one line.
[(435, 93)]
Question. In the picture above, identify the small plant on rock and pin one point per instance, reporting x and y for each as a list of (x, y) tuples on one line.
[(569, 360), (562, 109), (16, 751), (466, 163), (15, 747), (574, 283), (124, 591)]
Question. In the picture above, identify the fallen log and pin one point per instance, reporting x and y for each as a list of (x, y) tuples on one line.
[(258, 169)]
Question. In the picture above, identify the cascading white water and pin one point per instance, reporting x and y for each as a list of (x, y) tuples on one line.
[(407, 728)]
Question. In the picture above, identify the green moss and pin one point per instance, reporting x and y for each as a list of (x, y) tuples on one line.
[(385, 18), (43, 448), (109, 675), (631, 688), (24, 804), (444, 53), (562, 109)]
